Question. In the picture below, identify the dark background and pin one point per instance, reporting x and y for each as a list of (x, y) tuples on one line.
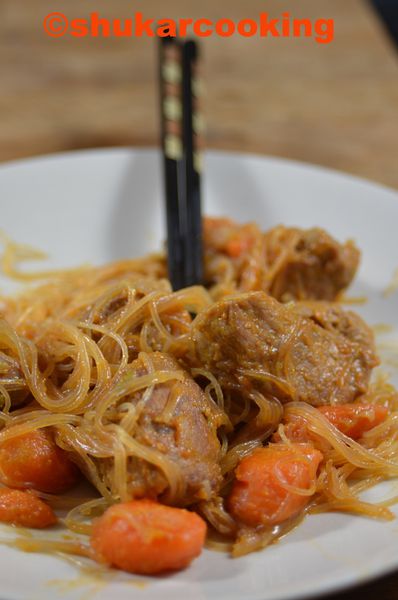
[(389, 12)]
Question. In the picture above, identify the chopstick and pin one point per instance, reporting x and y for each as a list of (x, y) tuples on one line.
[(170, 78), (180, 146), (191, 129)]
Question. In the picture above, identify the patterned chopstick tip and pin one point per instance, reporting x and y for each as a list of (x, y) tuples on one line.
[(198, 124), (171, 74)]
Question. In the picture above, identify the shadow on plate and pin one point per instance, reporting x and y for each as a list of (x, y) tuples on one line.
[(138, 200)]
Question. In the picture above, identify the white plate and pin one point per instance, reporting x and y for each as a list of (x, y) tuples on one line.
[(98, 206)]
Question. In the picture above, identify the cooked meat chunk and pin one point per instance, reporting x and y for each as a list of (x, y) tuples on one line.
[(287, 263), (178, 423), (252, 342), (308, 264), (334, 318), (12, 380)]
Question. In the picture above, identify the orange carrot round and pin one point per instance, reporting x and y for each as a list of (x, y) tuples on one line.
[(239, 244), (145, 537), (352, 419), (33, 460), (24, 509), (295, 429), (274, 483), (355, 419)]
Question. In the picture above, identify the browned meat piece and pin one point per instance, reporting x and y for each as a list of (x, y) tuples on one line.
[(287, 263), (309, 264), (252, 342), (12, 380), (179, 424), (334, 318)]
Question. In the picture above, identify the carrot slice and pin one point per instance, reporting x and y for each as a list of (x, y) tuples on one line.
[(227, 236), (24, 509), (239, 244), (355, 419), (145, 537), (352, 419), (295, 430), (217, 231), (274, 484), (33, 460)]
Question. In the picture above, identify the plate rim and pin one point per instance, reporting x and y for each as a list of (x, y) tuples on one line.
[(208, 153)]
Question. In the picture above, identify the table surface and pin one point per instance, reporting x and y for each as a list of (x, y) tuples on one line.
[(335, 105)]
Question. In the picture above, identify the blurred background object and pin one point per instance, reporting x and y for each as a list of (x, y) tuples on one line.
[(388, 10), (334, 104)]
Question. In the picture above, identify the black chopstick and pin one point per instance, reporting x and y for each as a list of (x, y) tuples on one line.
[(190, 134), (170, 78), (180, 147)]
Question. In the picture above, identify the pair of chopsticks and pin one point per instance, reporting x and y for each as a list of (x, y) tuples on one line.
[(181, 158)]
